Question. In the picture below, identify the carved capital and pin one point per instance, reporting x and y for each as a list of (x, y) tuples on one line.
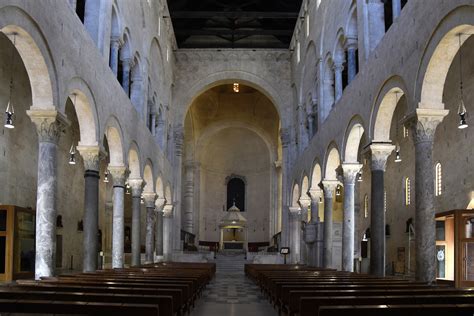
[(90, 156), (137, 187), (49, 124), (119, 173), (379, 155), (295, 211), (423, 123), (329, 187), (168, 210), (149, 198), (159, 205), (350, 171), (304, 202), (315, 194)]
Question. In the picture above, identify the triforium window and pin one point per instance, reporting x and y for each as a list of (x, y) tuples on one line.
[(438, 179), (236, 192), (407, 191)]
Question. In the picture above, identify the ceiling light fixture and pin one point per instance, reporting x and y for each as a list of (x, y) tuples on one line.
[(461, 109), (10, 111), (236, 87)]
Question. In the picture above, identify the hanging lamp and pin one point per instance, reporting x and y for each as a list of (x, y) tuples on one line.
[(10, 111), (461, 108)]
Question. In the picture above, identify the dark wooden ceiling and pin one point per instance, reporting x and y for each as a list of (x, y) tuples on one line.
[(234, 23)]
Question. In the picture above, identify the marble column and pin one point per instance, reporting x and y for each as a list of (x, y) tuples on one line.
[(167, 231), (351, 46), (316, 228), (424, 129), (149, 198), (114, 54), (376, 22), (189, 197), (396, 9), (137, 187), (159, 205), (178, 173), (90, 156), (49, 124), (126, 65), (329, 189), (380, 153), (118, 176), (303, 139), (305, 240), (286, 156), (338, 88), (348, 226), (295, 233)]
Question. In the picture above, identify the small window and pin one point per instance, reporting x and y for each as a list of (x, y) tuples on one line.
[(366, 206), (407, 191), (167, 54), (405, 132), (307, 25), (385, 201), (298, 52), (438, 179)]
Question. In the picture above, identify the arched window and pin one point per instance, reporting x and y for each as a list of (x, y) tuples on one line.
[(438, 179), (385, 200), (407, 191), (236, 192), (366, 206), (81, 9)]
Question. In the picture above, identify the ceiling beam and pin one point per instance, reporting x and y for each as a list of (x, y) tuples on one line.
[(232, 15), (237, 32)]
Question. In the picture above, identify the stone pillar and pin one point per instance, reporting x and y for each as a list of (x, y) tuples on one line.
[(376, 21), (167, 231), (114, 54), (352, 61), (425, 225), (348, 227), (118, 175), (49, 124), (136, 93), (126, 64), (338, 88), (380, 153), (149, 198), (396, 9), (306, 243), (295, 233), (189, 197), (286, 156), (137, 186), (177, 192), (90, 155), (153, 123), (329, 189), (159, 205)]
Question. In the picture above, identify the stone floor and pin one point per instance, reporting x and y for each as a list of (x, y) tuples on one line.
[(231, 293)]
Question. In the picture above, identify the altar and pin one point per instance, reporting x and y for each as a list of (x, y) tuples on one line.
[(233, 227)]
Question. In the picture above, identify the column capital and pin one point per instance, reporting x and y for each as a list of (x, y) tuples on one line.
[(295, 211), (90, 156), (315, 194), (168, 210), (338, 66), (136, 185), (351, 42), (49, 123), (159, 204), (329, 186), (119, 173), (380, 153), (424, 122), (350, 171), (149, 198), (304, 201)]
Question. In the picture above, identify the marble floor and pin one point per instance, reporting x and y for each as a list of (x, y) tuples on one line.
[(231, 293)]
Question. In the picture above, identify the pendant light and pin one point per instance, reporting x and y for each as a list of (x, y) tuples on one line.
[(127, 188), (397, 154), (338, 190), (72, 151), (359, 176), (10, 111), (461, 108), (106, 176)]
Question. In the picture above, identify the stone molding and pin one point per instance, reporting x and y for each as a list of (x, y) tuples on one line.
[(295, 211), (168, 211), (49, 124), (350, 171), (91, 157), (379, 155), (315, 194), (329, 187), (149, 198), (423, 123), (137, 187), (119, 174)]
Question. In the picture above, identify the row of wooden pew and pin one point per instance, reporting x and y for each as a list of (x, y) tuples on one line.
[(306, 291), (166, 289)]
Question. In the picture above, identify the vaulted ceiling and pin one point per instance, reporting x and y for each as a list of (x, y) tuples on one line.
[(234, 23)]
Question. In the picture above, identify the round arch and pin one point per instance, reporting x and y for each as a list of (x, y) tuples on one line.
[(304, 187), (133, 161), (148, 177), (316, 176), (333, 161), (114, 135), (295, 195), (168, 194), (160, 190), (352, 139)]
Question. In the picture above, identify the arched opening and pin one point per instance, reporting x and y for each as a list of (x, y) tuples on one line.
[(236, 193)]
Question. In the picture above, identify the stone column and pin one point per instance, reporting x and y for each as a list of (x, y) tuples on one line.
[(114, 54), (126, 64), (118, 175), (396, 9), (329, 189), (189, 197), (286, 156), (315, 195), (137, 186), (315, 230), (295, 233), (178, 168), (159, 205), (376, 21), (153, 123), (380, 153), (149, 198), (136, 93), (338, 88), (348, 227), (167, 231), (90, 155), (306, 243), (425, 225), (351, 46), (49, 124)]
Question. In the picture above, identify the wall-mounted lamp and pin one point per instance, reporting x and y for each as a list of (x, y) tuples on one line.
[(397, 154), (106, 176), (72, 155), (359, 176)]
